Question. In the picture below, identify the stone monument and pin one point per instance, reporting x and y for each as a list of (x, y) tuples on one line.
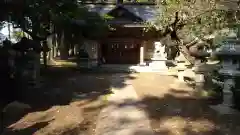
[(182, 68), (158, 61), (228, 54)]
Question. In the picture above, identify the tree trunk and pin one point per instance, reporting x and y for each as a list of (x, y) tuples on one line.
[(63, 48), (72, 52), (55, 46), (75, 50), (45, 54), (45, 59), (238, 31), (50, 45)]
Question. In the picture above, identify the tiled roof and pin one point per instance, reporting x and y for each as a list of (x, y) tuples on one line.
[(146, 12), (101, 9)]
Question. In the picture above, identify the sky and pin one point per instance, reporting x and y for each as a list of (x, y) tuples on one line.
[(5, 32)]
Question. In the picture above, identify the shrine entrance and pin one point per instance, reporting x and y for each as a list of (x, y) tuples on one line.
[(121, 51), (122, 43)]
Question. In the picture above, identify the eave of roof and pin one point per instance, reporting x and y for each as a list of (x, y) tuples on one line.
[(127, 24), (146, 12), (115, 3)]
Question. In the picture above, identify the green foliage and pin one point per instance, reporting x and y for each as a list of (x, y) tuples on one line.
[(108, 17), (199, 17), (17, 35), (40, 18)]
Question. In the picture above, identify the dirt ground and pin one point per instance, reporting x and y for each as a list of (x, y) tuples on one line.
[(67, 103), (173, 110)]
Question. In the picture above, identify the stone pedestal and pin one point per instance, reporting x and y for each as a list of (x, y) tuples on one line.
[(159, 58), (226, 106), (199, 69), (181, 68), (181, 76), (199, 80), (158, 65), (92, 63)]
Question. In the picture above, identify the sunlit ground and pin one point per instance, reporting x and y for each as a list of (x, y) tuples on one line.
[(68, 103), (171, 108), (68, 119), (62, 63), (174, 109)]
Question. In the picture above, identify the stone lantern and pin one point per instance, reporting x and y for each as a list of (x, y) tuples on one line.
[(229, 56)]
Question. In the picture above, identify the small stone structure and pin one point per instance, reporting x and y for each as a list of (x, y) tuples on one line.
[(20, 68), (194, 72), (27, 62), (91, 60), (158, 61), (229, 55), (182, 68)]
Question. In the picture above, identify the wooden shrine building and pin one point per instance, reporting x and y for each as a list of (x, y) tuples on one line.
[(127, 43)]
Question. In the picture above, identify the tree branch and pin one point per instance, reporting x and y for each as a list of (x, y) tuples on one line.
[(177, 24), (33, 35), (205, 12)]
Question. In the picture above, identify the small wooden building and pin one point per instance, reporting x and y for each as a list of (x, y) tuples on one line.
[(127, 43)]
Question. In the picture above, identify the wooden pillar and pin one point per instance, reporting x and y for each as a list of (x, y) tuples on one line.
[(142, 48)]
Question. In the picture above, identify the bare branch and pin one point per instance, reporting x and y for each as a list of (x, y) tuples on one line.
[(205, 12), (178, 25)]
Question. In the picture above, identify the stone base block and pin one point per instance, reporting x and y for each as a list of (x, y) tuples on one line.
[(223, 109), (158, 65), (182, 74), (94, 63)]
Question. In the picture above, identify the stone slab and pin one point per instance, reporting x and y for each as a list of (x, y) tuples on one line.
[(158, 65), (226, 106), (223, 109)]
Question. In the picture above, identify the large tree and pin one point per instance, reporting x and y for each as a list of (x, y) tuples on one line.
[(64, 20), (181, 19), (41, 18)]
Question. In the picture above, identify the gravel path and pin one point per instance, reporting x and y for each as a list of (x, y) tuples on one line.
[(122, 116)]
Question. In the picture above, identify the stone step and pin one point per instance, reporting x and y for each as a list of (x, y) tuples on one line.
[(223, 109)]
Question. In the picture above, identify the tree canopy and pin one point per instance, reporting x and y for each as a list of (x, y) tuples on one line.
[(181, 18), (40, 18)]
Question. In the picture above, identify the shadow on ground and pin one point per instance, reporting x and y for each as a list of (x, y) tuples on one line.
[(66, 92), (178, 112), (61, 85), (27, 131)]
